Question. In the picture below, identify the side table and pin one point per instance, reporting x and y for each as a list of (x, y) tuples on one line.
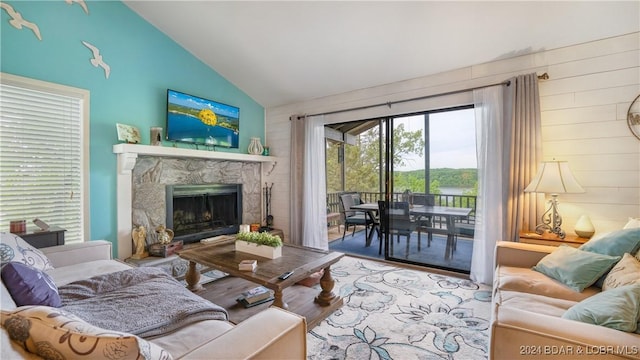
[(43, 238), (530, 237)]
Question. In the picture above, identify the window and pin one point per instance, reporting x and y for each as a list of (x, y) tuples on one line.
[(44, 155)]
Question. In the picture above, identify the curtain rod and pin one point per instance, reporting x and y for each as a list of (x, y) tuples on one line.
[(388, 104)]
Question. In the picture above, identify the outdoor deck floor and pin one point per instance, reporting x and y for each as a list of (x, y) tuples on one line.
[(429, 255)]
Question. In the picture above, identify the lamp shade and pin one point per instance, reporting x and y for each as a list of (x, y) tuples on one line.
[(554, 177)]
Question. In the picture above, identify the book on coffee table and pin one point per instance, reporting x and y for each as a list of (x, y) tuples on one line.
[(244, 302), (256, 294)]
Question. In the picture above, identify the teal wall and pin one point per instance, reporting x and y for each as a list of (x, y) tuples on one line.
[(144, 63)]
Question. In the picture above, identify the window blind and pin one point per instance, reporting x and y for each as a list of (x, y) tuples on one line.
[(41, 159)]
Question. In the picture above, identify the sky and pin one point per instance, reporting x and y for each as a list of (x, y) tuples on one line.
[(453, 143)]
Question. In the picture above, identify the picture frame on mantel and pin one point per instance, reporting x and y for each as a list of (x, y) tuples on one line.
[(127, 133)]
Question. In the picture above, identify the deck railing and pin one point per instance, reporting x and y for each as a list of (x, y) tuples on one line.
[(465, 201)]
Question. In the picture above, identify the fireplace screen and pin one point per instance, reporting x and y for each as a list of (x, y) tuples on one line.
[(195, 212)]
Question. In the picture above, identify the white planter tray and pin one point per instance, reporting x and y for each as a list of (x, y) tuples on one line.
[(259, 250)]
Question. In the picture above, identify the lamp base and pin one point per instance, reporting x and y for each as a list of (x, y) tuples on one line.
[(541, 228), (551, 219)]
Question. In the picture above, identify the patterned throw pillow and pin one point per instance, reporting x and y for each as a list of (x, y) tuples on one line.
[(56, 334), (13, 248), (625, 272)]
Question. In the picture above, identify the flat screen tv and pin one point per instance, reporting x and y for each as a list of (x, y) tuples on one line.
[(191, 119)]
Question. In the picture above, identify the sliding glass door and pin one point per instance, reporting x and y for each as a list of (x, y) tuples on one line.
[(430, 184), (425, 162)]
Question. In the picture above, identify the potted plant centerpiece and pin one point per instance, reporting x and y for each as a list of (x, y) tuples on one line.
[(259, 243)]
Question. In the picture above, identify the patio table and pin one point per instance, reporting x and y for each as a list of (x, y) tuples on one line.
[(450, 214)]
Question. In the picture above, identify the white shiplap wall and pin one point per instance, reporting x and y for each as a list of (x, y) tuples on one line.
[(584, 106)]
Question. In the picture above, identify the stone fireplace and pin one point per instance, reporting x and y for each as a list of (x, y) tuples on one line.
[(144, 172), (152, 175)]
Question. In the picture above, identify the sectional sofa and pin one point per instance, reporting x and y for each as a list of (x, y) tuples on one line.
[(48, 330)]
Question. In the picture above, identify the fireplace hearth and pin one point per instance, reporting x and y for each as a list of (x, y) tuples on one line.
[(196, 212)]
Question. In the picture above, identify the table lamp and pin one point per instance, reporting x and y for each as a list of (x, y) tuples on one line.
[(553, 177)]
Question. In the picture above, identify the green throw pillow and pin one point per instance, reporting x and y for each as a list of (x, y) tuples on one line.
[(615, 243), (575, 268), (617, 308)]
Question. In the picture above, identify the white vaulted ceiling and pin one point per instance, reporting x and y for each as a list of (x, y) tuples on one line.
[(285, 52)]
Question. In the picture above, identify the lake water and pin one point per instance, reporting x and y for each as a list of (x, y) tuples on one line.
[(453, 190)]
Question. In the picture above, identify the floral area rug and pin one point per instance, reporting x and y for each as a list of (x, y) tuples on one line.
[(398, 313)]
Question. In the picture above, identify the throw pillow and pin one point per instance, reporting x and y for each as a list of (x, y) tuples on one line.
[(615, 243), (29, 286), (54, 333), (14, 248), (625, 272), (617, 308), (575, 268)]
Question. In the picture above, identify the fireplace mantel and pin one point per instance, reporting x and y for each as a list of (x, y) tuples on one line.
[(127, 155)]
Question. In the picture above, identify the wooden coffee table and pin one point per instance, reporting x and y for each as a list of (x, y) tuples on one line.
[(302, 261)]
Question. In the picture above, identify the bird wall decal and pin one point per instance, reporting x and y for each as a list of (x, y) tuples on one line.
[(18, 22), (97, 59), (80, 2)]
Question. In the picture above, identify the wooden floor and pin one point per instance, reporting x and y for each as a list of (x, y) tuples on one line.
[(225, 291)]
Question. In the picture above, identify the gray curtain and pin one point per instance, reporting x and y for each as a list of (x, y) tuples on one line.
[(296, 180), (522, 111)]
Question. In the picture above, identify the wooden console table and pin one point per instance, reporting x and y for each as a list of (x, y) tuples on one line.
[(44, 238), (530, 237)]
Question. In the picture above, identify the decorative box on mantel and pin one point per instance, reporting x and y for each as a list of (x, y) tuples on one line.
[(259, 250), (165, 250)]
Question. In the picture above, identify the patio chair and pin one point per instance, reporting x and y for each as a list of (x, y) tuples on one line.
[(464, 229), (352, 217), (424, 223), (396, 220)]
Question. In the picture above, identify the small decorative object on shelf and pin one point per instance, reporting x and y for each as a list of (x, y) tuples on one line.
[(255, 147), (156, 136), (260, 244), (265, 151), (127, 133), (18, 226), (165, 250), (139, 235), (164, 235), (584, 228)]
